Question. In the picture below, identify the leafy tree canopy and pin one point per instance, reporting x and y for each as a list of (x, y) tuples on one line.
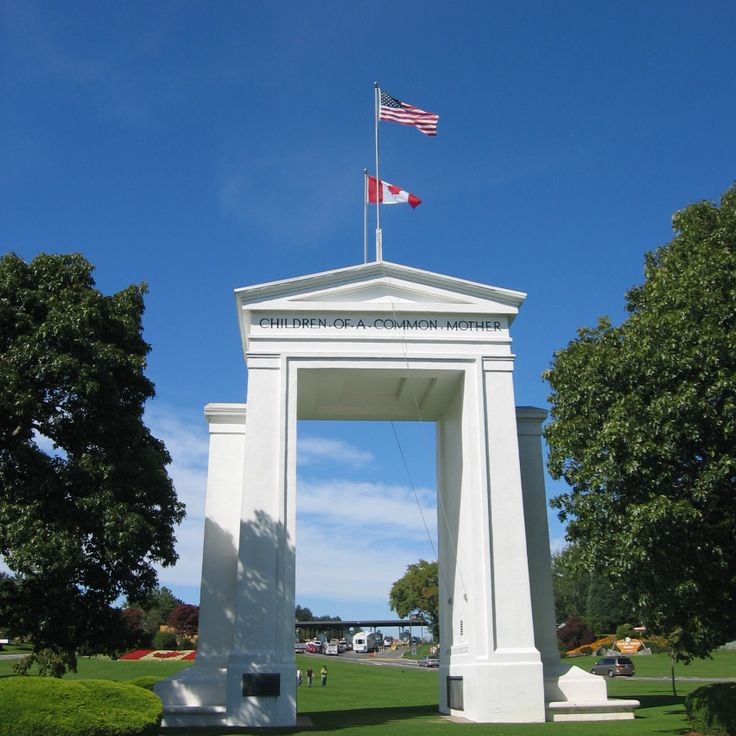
[(584, 593), (570, 582), (643, 429), (302, 613), (157, 605), (86, 504), (417, 591), (184, 619)]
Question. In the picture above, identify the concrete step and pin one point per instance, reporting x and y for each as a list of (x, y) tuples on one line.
[(191, 716), (591, 710)]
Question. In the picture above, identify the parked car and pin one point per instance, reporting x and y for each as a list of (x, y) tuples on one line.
[(313, 647), (429, 662), (613, 667)]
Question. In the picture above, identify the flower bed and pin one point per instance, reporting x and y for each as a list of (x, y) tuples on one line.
[(136, 654), (167, 655), (160, 654)]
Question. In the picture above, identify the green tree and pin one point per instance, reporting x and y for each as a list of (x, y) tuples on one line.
[(605, 609), (417, 591), (302, 613), (570, 582), (643, 429), (86, 505), (156, 607)]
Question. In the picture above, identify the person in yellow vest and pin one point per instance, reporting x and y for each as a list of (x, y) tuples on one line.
[(323, 675)]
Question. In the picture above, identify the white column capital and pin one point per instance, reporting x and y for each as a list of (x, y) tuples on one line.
[(498, 363)]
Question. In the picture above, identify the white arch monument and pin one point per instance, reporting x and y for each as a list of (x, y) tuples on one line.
[(382, 341)]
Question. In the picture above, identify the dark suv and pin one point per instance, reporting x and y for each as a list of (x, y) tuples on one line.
[(613, 666)]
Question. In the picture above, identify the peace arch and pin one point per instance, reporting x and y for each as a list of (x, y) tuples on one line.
[(382, 341)]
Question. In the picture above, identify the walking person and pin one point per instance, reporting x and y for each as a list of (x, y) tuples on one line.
[(299, 677), (323, 675), (310, 676)]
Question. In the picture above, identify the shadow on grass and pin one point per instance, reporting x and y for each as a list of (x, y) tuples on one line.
[(322, 720), (337, 719), (660, 701)]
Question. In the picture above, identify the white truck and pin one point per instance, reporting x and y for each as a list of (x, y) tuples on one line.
[(332, 647), (364, 642)]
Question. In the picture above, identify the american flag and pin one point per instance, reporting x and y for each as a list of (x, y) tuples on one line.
[(401, 112)]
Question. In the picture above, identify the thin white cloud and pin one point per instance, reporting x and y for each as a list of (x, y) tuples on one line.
[(188, 448), (312, 450), (378, 510), (355, 539)]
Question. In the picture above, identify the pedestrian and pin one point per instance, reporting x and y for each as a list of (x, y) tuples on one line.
[(323, 675), (299, 677), (310, 676)]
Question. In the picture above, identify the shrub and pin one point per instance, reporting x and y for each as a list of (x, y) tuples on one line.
[(145, 681), (712, 709), (186, 643), (657, 647), (164, 640), (39, 706), (575, 632)]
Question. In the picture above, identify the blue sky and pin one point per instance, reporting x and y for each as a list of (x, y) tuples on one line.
[(201, 147)]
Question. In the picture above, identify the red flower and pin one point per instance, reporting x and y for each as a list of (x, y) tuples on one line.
[(136, 654)]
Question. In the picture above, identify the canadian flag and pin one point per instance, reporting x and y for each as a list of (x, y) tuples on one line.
[(390, 193)]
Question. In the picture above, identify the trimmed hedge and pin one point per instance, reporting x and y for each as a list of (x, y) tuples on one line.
[(145, 681), (712, 709), (39, 706)]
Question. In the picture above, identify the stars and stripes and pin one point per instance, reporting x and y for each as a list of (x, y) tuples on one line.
[(397, 111)]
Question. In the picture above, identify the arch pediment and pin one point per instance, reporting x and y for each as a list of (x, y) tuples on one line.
[(365, 294)]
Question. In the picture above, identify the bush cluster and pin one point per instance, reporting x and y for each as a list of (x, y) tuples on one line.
[(165, 640), (712, 709), (39, 706)]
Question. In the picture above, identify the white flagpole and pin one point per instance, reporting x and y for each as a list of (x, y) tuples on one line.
[(379, 234), (365, 215)]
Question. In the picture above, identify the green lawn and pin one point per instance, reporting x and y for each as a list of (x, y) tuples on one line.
[(365, 700), (103, 668), (723, 664), (403, 701)]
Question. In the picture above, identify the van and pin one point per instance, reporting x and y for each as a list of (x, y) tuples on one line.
[(613, 667)]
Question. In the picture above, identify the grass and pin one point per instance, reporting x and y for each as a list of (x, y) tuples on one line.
[(103, 668), (366, 700), (722, 665), (392, 700)]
